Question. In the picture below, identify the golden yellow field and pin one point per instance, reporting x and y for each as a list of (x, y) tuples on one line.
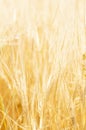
[(42, 64)]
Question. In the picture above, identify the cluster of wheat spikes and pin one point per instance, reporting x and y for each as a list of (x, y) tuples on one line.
[(42, 65)]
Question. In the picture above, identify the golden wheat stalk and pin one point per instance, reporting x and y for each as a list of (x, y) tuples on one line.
[(42, 65)]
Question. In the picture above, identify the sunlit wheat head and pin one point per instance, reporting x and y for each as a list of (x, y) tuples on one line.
[(42, 65)]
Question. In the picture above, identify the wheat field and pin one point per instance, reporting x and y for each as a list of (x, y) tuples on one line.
[(42, 64)]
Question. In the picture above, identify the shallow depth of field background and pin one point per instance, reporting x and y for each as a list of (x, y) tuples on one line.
[(42, 64)]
